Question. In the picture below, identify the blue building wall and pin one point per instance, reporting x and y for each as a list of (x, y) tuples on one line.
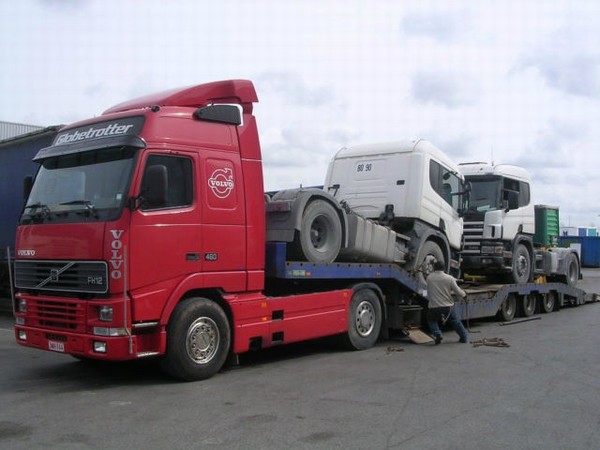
[(15, 164)]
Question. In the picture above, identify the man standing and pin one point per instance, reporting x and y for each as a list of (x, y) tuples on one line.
[(440, 288)]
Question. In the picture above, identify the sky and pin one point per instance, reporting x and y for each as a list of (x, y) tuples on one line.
[(515, 82)]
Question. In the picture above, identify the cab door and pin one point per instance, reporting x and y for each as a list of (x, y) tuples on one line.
[(165, 241)]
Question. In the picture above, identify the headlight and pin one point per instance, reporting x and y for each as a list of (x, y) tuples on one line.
[(105, 313)]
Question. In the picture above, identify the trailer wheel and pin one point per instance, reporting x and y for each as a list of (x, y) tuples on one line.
[(364, 320), (548, 302), (430, 253), (527, 305), (572, 270), (198, 339), (320, 237), (521, 266), (508, 309)]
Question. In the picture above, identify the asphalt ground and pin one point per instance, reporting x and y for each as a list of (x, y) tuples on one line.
[(540, 390)]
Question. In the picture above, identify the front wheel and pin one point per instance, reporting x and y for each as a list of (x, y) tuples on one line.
[(364, 320), (198, 340), (521, 265), (430, 253)]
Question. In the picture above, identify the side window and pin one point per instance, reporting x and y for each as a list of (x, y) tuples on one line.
[(524, 195), (521, 188), (435, 176), (179, 182), (445, 183)]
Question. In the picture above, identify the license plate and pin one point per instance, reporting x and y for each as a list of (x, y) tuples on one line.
[(56, 346)]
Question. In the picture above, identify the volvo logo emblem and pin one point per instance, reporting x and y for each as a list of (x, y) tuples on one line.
[(54, 275)]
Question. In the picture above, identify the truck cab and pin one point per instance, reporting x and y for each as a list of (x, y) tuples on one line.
[(499, 222), (130, 212)]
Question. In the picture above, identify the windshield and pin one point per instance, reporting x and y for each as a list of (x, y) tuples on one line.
[(88, 186), (485, 194)]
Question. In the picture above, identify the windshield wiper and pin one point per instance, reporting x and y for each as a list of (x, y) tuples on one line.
[(90, 208), (37, 205), (43, 213)]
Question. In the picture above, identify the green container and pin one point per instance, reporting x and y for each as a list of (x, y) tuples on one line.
[(547, 225)]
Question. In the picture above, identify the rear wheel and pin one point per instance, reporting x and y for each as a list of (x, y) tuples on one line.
[(364, 320), (198, 340), (572, 270), (319, 239), (548, 302), (528, 304), (508, 309)]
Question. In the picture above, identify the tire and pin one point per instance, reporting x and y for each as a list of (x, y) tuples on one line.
[(198, 340), (319, 239), (572, 270), (521, 265), (548, 303), (364, 320), (508, 309), (528, 305), (430, 252)]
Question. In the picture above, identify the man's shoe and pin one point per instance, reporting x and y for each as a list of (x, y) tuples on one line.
[(438, 340), (463, 340)]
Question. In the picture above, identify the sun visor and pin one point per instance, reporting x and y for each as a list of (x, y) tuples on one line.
[(95, 136)]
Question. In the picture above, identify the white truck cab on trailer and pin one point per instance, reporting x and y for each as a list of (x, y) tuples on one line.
[(499, 229), (410, 186)]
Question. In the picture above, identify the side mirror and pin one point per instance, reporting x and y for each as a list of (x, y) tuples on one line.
[(156, 182), (512, 200), (27, 186)]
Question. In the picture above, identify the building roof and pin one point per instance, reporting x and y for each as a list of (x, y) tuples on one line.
[(9, 130)]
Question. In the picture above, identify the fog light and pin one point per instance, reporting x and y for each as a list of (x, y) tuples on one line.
[(99, 347), (20, 321), (22, 335), (105, 313), (22, 305)]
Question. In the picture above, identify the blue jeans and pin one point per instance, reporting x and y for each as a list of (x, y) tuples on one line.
[(435, 314)]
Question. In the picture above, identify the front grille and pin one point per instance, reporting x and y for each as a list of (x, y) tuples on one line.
[(64, 315), (472, 235), (88, 277)]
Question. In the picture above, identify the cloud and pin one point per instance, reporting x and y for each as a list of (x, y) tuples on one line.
[(452, 90), (568, 61), (293, 89), (438, 25)]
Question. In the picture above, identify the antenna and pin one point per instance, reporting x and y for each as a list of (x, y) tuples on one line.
[(492, 154)]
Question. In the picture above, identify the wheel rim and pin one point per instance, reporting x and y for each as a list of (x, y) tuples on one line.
[(522, 266), (319, 231), (573, 273), (529, 304), (427, 265), (202, 340), (365, 318), (509, 306), (549, 302)]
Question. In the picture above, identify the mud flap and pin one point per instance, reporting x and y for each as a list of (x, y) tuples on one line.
[(417, 336)]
